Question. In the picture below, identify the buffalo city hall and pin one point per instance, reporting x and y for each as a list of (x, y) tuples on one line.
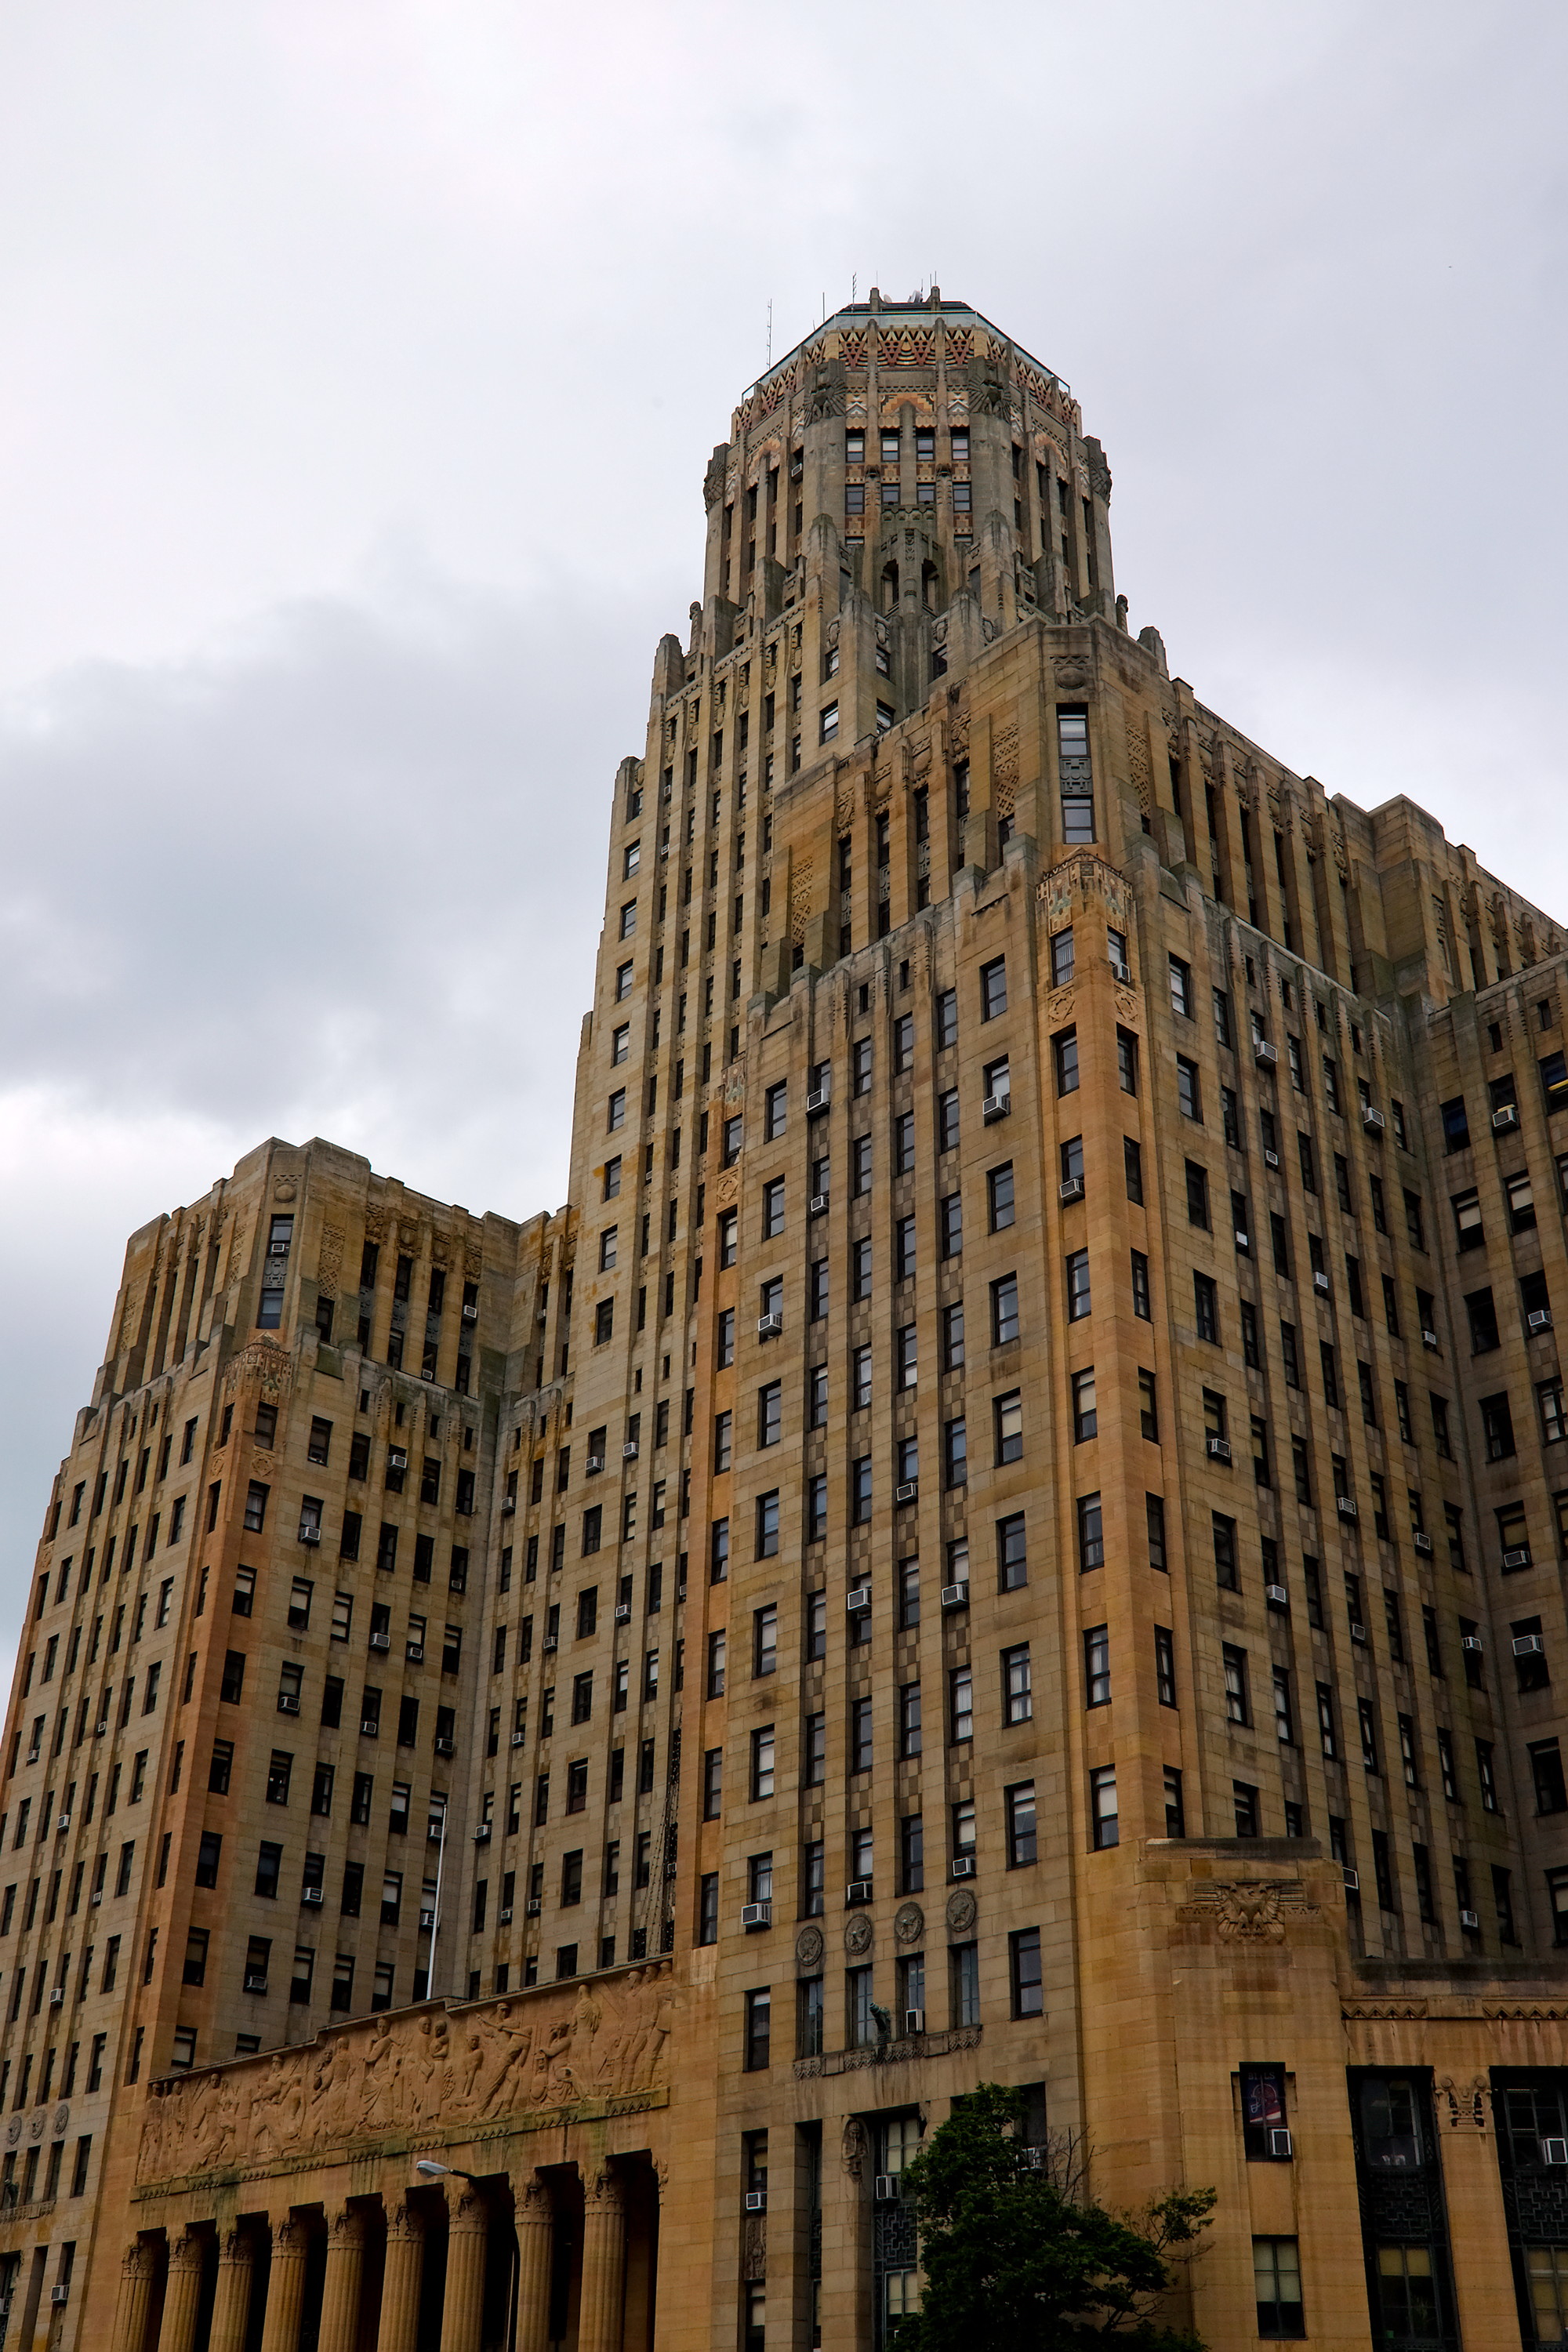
[(1012, 1529)]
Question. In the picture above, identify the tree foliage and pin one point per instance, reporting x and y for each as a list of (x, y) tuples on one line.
[(1014, 2252)]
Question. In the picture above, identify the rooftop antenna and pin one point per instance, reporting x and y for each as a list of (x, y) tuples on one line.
[(770, 330), (853, 286)]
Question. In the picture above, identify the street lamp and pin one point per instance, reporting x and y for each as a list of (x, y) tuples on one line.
[(434, 2172)]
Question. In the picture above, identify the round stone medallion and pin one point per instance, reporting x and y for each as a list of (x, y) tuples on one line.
[(809, 1947), (908, 1923), (962, 1911), (857, 1934)]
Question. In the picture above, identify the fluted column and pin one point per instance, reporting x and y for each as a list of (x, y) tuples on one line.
[(604, 2266), (181, 2294), (231, 2307), (339, 2291), (400, 2280), (463, 2310), (535, 2219), (135, 2295), (285, 2287)]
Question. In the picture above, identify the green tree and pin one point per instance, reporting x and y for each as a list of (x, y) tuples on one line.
[(1016, 2254)]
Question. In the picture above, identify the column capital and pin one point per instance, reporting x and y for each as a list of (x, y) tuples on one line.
[(345, 2227), (185, 2251), (288, 2239), (470, 2213), (235, 2246), (137, 2263), (532, 2205), (602, 2190), (404, 2222)]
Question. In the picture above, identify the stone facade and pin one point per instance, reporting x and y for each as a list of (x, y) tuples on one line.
[(1012, 1529)]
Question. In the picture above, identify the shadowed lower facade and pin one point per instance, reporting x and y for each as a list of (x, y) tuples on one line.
[(1012, 1529)]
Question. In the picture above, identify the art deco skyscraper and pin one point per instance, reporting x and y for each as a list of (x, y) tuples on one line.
[(1010, 1530)]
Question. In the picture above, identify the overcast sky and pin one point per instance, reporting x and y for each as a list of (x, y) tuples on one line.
[(358, 367)]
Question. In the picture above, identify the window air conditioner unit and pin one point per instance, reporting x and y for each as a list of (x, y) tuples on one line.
[(1428, 1338), (1031, 2159), (858, 1597), (519, 1739), (253, 1983), (1219, 1449), (756, 2200), (396, 1458), (1071, 1189), (1276, 1596), (1507, 1116), (504, 1916), (630, 1450), (309, 1535), (443, 1747), (59, 2295), (756, 1914), (415, 1652), (64, 1823), (311, 1895), (1262, 1051), (914, 2021), (1554, 2151), (1422, 1541), (1279, 2143), (818, 1206), (955, 1596), (1529, 1645), (1471, 1642), (1541, 1320), (623, 1613), (1271, 1160), (509, 1504), (427, 1920), (482, 1834), (1517, 1556), (1470, 1921), (97, 1894), (551, 1642), (1358, 1633), (1346, 1506), (57, 1996), (815, 1104), (370, 1726), (32, 1756), (595, 1464), (859, 1891), (1352, 1880), (1243, 1241), (770, 1327), (907, 1492), (471, 1312), (432, 1828), (98, 1731), (1373, 1120), (381, 1641), (962, 1865), (995, 1107), (1321, 1282), (288, 1703), (886, 2188)]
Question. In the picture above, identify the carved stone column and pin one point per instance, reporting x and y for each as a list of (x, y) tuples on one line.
[(535, 2219), (231, 2307), (181, 2294), (463, 2309), (400, 2280), (285, 2287), (604, 2264), (135, 2295), (339, 2291)]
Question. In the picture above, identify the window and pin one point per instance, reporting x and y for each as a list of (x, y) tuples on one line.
[(1182, 988), (1205, 1306), (1019, 1804), (1096, 1666), (1063, 1051), (1197, 1195), (1004, 1310), (993, 988), (758, 2030), (1142, 1305), (1007, 1415), (1090, 1533), (1104, 1825), (1017, 1700), (1012, 1556), (1127, 1061), (1236, 1706), (763, 1754), (1077, 1291), (1085, 1411), (1061, 958), (1165, 1666), (1189, 1096), (1277, 2278)]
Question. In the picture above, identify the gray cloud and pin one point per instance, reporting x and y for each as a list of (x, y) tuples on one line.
[(361, 362)]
